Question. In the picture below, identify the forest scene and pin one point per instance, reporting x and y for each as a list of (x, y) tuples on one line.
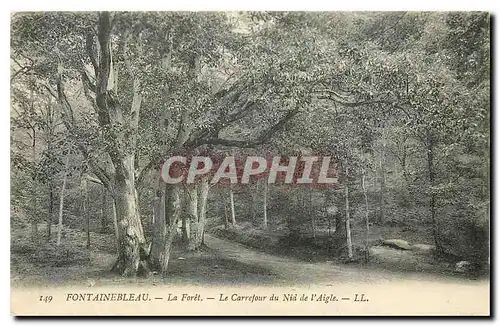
[(99, 100)]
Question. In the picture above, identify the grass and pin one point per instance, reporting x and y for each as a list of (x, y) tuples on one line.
[(319, 248), (72, 263), (277, 260)]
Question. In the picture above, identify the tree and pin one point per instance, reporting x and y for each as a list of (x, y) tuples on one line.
[(135, 88), (61, 202), (264, 208), (367, 223), (347, 216)]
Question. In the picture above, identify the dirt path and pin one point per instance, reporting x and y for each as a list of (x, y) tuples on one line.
[(290, 270), (226, 263)]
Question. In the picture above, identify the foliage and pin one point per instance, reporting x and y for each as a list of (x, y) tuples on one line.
[(399, 98)]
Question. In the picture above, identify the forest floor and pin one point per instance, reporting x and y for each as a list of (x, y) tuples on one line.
[(419, 256), (223, 262)]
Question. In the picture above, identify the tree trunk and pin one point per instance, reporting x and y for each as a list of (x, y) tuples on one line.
[(51, 209), (264, 223), (202, 212), (84, 207), (254, 201), (34, 192), (367, 223), (115, 224), (159, 258), (159, 230), (348, 220), (165, 205), (34, 231), (172, 215), (432, 200), (382, 185), (339, 235), (231, 199), (226, 217), (329, 225), (133, 251), (185, 226), (313, 215), (61, 202), (192, 215), (104, 219)]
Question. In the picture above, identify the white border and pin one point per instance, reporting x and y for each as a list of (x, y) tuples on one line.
[(349, 5)]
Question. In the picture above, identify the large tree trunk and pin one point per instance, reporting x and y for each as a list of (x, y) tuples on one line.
[(133, 251), (167, 205), (166, 219), (61, 203)]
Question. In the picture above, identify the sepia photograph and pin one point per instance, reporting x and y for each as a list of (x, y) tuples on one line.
[(250, 163)]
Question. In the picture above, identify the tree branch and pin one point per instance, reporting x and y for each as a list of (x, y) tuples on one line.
[(94, 180), (264, 137), (70, 124), (87, 93), (144, 171), (333, 96), (86, 79)]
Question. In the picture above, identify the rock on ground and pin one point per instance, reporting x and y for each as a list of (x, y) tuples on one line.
[(422, 247), (397, 244)]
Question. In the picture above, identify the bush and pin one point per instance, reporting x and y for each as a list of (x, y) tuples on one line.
[(50, 255)]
